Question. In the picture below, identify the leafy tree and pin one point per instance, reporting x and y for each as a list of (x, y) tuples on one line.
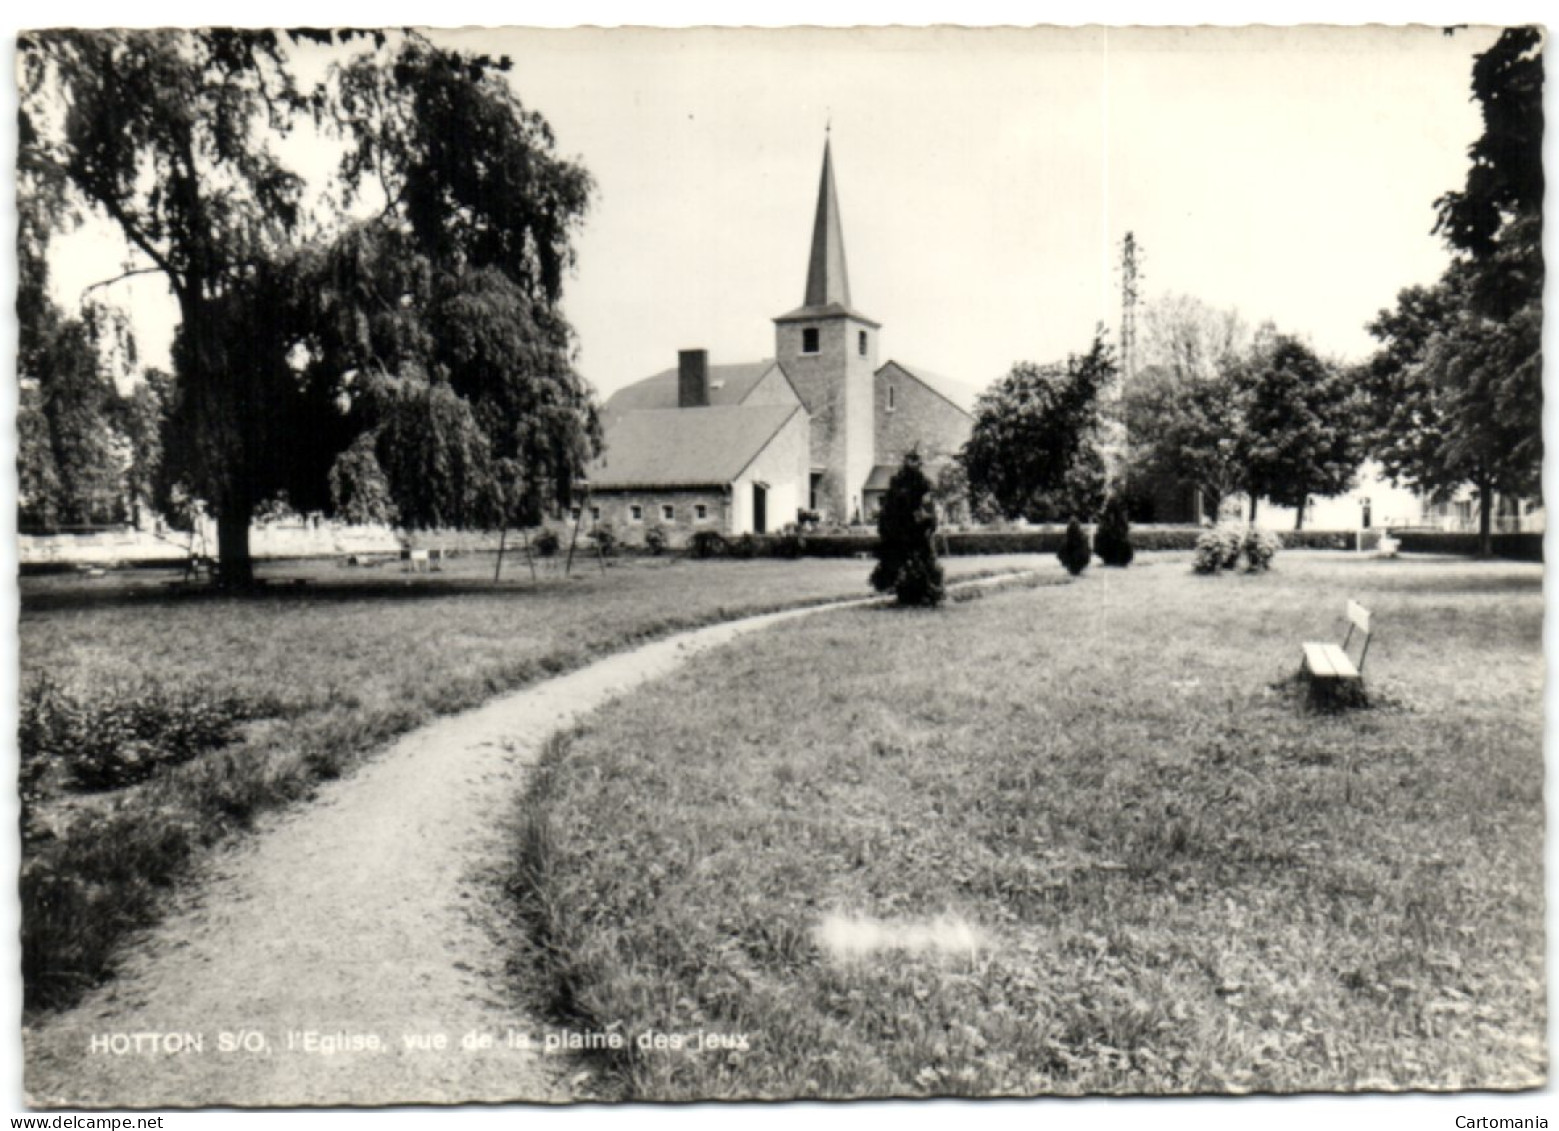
[(1301, 434), (38, 480), (950, 491), (167, 134), (70, 459), (141, 414), (1182, 410), (906, 558), (1034, 448), (297, 337), (1456, 385), (1228, 412), (1456, 397), (1112, 541), (1190, 430), (1505, 179), (1184, 339)]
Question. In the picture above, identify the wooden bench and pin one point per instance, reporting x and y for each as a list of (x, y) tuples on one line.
[(1329, 665)]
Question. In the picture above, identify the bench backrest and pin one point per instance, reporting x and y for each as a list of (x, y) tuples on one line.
[(1358, 619), (1359, 616)]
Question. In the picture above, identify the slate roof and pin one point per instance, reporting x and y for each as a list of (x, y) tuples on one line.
[(686, 447), (956, 393), (728, 385), (878, 480), (827, 310), (828, 279)]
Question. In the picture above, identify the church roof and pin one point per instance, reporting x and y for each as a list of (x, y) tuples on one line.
[(955, 393), (880, 477), (728, 385), (828, 280), (828, 276), (831, 310), (686, 447)]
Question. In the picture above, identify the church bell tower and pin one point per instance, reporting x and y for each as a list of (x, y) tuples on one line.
[(829, 351)]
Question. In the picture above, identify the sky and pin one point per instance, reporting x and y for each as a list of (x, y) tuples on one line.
[(986, 177)]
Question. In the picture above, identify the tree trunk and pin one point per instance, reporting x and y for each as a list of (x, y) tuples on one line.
[(1200, 504), (235, 564), (1299, 517), (1485, 519), (1253, 501)]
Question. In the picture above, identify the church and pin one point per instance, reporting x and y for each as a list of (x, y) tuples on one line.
[(817, 430)]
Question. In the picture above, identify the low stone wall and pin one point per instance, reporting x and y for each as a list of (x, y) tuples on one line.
[(111, 547)]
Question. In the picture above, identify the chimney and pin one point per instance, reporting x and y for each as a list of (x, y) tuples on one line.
[(692, 378)]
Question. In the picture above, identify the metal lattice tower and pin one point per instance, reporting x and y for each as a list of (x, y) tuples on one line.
[(1131, 279)]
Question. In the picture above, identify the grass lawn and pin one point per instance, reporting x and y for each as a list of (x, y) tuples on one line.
[(289, 685), (1082, 838)]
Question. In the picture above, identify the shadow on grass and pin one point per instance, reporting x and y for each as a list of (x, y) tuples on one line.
[(144, 594), (1425, 573)]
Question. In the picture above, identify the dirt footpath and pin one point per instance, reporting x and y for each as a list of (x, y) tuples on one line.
[(321, 960)]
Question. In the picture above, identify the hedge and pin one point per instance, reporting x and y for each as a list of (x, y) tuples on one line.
[(1523, 547), (1036, 540)]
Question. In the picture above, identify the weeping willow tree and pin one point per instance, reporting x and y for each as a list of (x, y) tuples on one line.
[(391, 347)]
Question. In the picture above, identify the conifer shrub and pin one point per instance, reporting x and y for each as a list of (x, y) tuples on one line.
[(1075, 552), (906, 559), (1112, 541)]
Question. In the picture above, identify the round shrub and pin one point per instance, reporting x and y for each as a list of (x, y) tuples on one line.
[(1112, 541), (1223, 547), (547, 543), (655, 540), (706, 544), (1218, 549), (1259, 547), (605, 539), (788, 543), (1075, 552)]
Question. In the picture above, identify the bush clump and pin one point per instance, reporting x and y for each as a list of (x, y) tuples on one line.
[(1075, 552), (605, 539), (1218, 549), (1259, 547), (547, 543), (706, 544), (1223, 547), (655, 540), (745, 547), (788, 543), (1112, 541), (122, 735), (906, 559)]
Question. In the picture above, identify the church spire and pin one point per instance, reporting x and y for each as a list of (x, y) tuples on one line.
[(827, 279)]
